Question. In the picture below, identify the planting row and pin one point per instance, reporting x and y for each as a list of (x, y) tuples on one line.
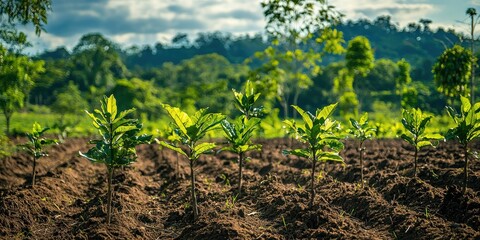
[(319, 132)]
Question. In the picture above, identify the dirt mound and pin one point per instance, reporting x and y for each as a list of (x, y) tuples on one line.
[(151, 199)]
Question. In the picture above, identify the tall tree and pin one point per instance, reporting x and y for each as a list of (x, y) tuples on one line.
[(96, 64), (290, 24), (18, 74), (359, 56), (472, 12), (359, 61), (452, 71)]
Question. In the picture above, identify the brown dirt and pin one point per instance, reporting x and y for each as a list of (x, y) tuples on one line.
[(152, 202)]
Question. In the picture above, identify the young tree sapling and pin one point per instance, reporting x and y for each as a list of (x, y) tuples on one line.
[(466, 130), (362, 131), (191, 130), (36, 145), (318, 133), (239, 132), (415, 122), (116, 148)]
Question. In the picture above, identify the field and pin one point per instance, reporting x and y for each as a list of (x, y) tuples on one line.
[(151, 200)]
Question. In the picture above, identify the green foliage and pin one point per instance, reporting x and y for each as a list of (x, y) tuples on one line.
[(348, 104), (36, 144), (25, 11), (69, 100), (297, 20), (139, 94), (190, 130), (467, 122), (6, 146), (238, 133), (452, 71), (466, 130), (362, 131), (18, 74), (245, 102), (359, 56), (119, 135), (119, 138), (416, 123), (318, 132)]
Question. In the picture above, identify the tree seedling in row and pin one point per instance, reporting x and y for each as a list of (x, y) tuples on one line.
[(238, 133), (362, 131), (191, 130), (36, 145), (116, 148), (466, 130), (318, 133), (415, 122)]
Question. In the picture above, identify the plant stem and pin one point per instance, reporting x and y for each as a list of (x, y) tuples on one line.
[(177, 171), (465, 169), (240, 174), (312, 190), (415, 166), (33, 171), (194, 197), (361, 163), (109, 195)]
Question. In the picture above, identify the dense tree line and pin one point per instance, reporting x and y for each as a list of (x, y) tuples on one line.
[(185, 70)]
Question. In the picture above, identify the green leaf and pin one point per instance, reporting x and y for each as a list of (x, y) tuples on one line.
[(298, 152), (329, 156), (202, 148), (327, 111), (172, 147), (306, 117), (433, 136), (422, 144), (465, 104), (112, 107), (408, 139), (181, 119)]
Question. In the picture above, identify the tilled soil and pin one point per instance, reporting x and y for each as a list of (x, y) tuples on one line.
[(152, 196)]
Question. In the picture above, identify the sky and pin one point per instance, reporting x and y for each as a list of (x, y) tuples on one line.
[(141, 22)]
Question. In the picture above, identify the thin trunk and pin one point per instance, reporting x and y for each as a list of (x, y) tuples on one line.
[(7, 118), (415, 167), (109, 195), (472, 85), (465, 169), (33, 171), (361, 164), (285, 109), (240, 174), (194, 197), (312, 189), (177, 171)]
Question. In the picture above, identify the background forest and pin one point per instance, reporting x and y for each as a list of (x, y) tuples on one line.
[(371, 66)]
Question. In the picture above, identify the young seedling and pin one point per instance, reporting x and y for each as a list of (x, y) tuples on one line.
[(35, 146), (239, 132), (466, 130), (318, 133), (191, 130), (116, 148), (245, 102), (361, 131), (415, 122)]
